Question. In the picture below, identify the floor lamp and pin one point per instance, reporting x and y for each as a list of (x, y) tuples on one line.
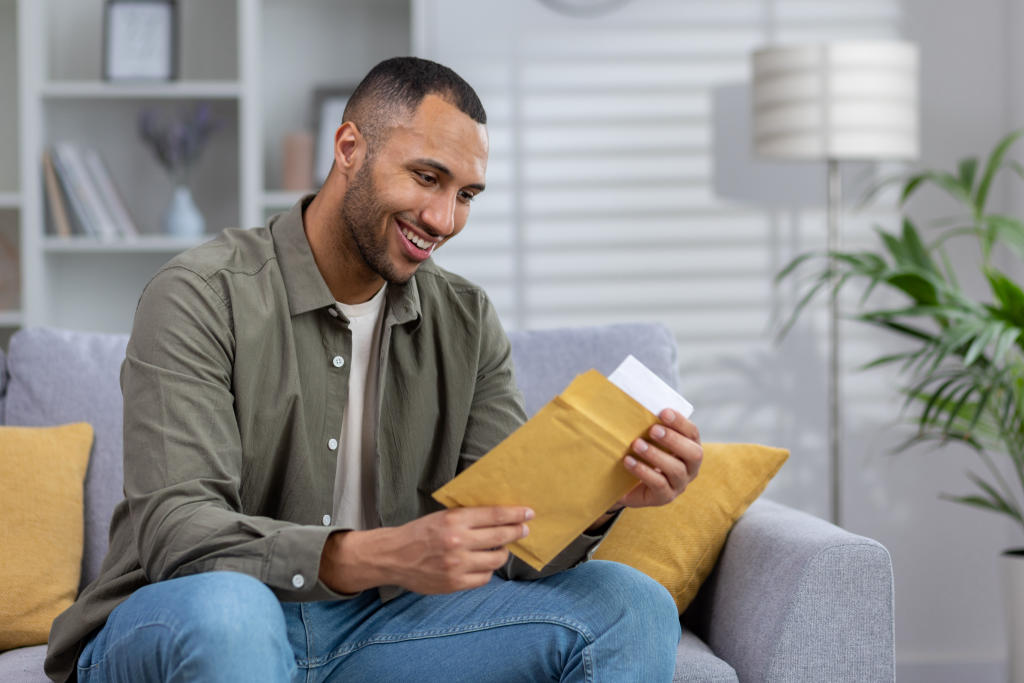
[(836, 102)]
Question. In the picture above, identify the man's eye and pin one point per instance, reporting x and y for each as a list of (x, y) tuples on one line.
[(467, 196), (425, 177)]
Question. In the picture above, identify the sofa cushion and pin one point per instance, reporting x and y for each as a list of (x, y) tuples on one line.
[(24, 665), (696, 663), (678, 544), (40, 527), (547, 360), (57, 377)]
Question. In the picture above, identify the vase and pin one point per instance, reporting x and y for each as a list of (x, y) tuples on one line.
[(182, 217), (1013, 584)]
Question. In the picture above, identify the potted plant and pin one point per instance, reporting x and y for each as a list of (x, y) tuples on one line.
[(964, 365)]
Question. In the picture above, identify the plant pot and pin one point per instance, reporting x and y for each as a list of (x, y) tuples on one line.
[(1013, 584), (182, 217)]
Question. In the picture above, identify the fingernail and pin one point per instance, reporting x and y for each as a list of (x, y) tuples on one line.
[(630, 461), (526, 530), (657, 431), (668, 414), (641, 446), (530, 513)]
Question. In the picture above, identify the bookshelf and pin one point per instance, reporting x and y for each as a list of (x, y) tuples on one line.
[(255, 62)]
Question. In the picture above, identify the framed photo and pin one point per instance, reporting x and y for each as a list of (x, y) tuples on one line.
[(328, 112), (140, 40)]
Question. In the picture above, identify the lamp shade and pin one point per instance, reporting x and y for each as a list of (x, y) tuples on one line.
[(843, 101)]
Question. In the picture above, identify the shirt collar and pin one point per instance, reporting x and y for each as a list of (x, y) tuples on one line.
[(305, 285)]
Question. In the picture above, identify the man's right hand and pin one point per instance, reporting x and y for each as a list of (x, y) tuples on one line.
[(443, 552)]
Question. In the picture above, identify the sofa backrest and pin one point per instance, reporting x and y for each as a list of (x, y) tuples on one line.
[(59, 376), (547, 360)]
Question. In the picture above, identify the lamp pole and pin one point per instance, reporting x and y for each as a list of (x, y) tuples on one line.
[(834, 206)]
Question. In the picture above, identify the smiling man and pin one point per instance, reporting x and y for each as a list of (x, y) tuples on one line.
[(293, 395)]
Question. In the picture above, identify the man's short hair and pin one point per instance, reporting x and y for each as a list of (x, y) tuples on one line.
[(396, 86)]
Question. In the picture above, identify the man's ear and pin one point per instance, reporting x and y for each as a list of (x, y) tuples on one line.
[(349, 147)]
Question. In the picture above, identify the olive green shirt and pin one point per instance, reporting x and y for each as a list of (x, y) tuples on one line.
[(235, 383)]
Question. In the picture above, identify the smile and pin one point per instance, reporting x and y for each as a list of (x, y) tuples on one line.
[(416, 239)]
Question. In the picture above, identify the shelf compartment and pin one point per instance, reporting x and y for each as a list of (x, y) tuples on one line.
[(213, 90), (144, 244)]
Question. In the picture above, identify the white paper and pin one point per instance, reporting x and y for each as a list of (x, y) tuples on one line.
[(647, 389)]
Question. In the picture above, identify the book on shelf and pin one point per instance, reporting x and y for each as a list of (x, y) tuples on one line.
[(98, 208), (55, 199), (71, 184), (111, 196)]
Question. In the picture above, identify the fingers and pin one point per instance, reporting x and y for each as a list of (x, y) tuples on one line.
[(668, 460), (676, 421), (484, 528), (496, 515)]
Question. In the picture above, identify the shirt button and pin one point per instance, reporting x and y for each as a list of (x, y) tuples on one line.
[(338, 361), (333, 311), (327, 520), (333, 444), (298, 581)]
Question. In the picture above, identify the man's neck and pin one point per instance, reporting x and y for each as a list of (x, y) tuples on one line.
[(348, 277)]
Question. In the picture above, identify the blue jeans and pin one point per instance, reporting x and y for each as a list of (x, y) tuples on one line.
[(601, 621)]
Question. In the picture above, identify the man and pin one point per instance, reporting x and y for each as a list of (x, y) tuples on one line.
[(293, 395)]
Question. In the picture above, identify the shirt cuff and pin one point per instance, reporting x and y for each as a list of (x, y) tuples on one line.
[(292, 568)]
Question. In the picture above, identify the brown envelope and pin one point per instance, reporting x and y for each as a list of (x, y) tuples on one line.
[(565, 463)]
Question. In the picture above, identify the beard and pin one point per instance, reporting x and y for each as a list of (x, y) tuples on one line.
[(361, 215)]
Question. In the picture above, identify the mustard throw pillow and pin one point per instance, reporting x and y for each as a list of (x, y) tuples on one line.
[(43, 471), (678, 544)]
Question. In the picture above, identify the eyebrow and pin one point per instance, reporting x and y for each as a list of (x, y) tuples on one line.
[(441, 168)]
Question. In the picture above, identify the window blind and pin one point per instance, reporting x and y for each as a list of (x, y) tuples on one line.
[(601, 206)]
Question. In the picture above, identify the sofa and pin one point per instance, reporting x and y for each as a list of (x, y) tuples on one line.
[(792, 597)]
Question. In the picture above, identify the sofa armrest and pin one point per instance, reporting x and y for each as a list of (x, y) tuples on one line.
[(794, 598)]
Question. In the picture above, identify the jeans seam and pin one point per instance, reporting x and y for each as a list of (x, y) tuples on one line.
[(574, 626), (125, 636)]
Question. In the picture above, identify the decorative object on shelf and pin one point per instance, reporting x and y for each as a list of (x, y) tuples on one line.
[(140, 40), (964, 354), (329, 110), (836, 102), (297, 162), (177, 145)]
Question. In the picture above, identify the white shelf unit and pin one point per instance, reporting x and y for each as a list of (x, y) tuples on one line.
[(11, 280), (255, 62)]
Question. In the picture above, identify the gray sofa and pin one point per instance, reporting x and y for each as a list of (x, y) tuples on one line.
[(792, 598)]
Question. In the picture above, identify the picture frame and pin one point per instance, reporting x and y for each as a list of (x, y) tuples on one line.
[(140, 40), (328, 112)]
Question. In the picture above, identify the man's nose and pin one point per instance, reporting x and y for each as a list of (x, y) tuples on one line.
[(439, 214)]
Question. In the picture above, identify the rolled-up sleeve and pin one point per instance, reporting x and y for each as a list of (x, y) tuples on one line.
[(183, 451)]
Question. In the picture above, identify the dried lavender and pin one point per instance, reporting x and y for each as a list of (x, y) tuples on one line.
[(177, 144)]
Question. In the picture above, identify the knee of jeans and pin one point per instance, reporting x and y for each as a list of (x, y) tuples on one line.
[(637, 596), (230, 607)]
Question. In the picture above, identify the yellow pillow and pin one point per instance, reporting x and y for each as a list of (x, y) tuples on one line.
[(40, 527), (678, 544)]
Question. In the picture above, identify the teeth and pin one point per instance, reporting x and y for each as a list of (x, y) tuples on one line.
[(415, 239)]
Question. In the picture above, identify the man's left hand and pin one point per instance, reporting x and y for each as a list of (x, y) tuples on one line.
[(665, 462)]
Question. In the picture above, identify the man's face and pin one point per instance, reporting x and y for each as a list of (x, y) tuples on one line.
[(414, 194)]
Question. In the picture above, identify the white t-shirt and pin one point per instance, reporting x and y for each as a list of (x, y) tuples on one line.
[(355, 481)]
